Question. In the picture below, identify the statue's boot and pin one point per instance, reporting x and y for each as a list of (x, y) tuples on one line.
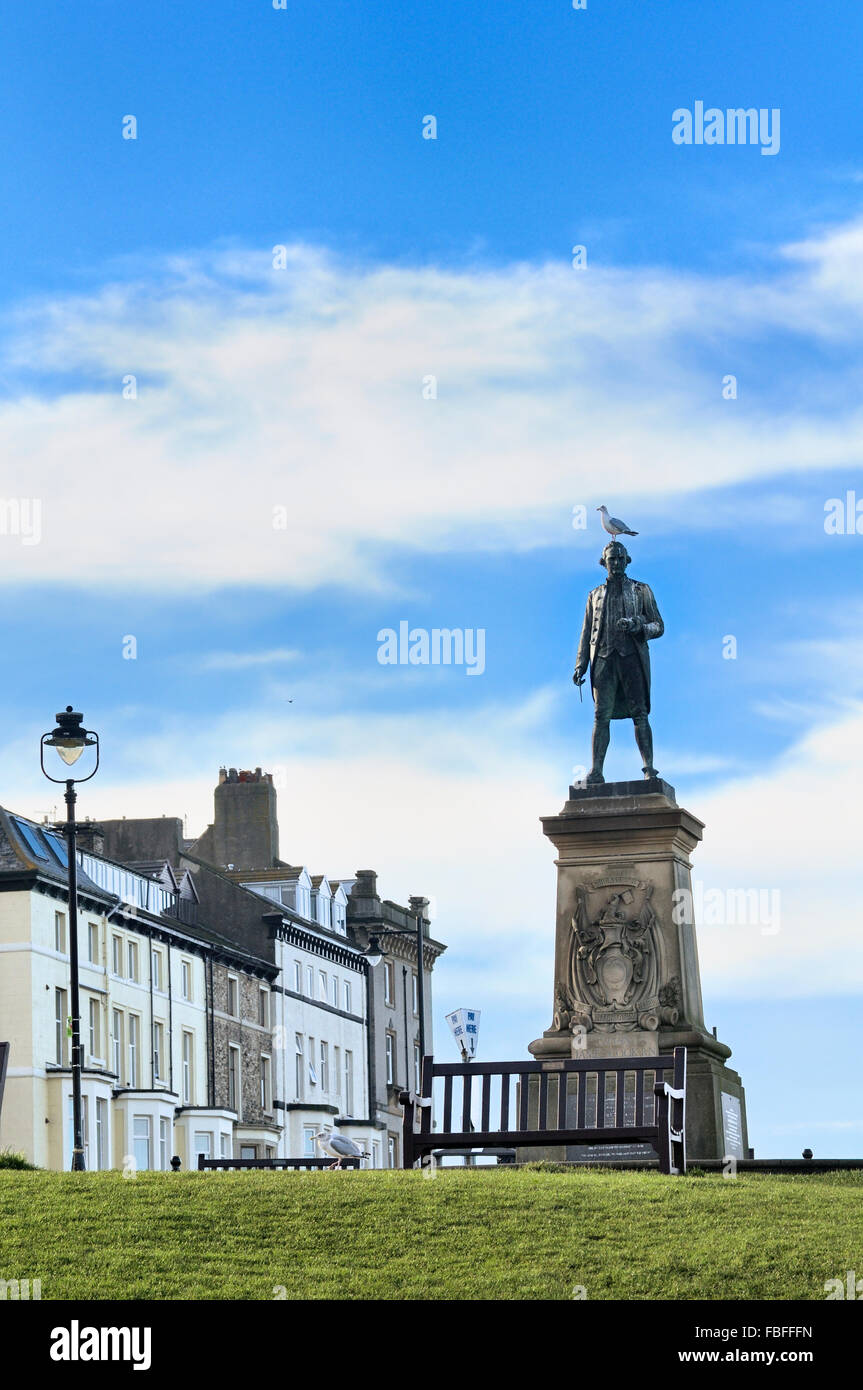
[(644, 739), (601, 734)]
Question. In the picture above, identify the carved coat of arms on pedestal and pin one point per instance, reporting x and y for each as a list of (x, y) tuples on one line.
[(615, 964)]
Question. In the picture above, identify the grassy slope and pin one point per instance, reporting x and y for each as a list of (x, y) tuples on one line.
[(466, 1234)]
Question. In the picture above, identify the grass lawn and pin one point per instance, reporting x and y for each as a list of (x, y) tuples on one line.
[(481, 1234)]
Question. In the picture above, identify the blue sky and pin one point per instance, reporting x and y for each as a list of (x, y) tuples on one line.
[(301, 388), (550, 121)]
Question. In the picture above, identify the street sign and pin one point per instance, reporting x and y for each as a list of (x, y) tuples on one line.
[(465, 1029)]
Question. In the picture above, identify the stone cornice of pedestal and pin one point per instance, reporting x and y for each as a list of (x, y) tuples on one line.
[(632, 825), (693, 1040)]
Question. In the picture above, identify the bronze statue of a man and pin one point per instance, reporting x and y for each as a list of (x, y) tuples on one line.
[(620, 619)]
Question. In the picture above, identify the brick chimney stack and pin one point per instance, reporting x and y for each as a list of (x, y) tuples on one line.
[(365, 900), (419, 907), (245, 829)]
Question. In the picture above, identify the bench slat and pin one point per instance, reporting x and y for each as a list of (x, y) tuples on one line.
[(427, 1089), (542, 1114), (447, 1103), (563, 1064), (518, 1138), (486, 1101), (561, 1100), (465, 1101)]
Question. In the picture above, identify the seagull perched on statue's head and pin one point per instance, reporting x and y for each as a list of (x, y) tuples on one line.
[(338, 1147), (613, 525)]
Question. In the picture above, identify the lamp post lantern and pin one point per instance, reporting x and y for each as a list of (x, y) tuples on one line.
[(70, 739)]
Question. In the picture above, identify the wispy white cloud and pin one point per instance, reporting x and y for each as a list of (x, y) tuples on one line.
[(683, 764), (240, 661), (792, 829), (448, 803), (302, 390), (280, 435)]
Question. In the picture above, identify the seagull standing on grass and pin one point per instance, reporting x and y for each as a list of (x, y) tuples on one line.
[(338, 1147), (613, 525)]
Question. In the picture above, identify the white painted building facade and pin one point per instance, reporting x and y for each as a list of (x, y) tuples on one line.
[(144, 1017), (225, 1011), (321, 1022)]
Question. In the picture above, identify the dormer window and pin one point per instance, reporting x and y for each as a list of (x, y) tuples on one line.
[(338, 911)]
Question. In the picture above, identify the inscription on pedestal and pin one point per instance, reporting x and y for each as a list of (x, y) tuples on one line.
[(732, 1126), (615, 1045), (608, 1153)]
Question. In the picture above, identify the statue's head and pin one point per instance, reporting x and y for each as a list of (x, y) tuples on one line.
[(614, 558)]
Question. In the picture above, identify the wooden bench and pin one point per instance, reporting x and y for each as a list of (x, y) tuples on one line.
[(550, 1104)]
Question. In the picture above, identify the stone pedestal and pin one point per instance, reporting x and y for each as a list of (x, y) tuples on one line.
[(626, 977)]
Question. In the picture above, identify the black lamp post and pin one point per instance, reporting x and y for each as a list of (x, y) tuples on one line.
[(70, 739), (374, 955)]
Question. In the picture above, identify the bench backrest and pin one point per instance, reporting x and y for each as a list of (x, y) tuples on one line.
[(552, 1102)]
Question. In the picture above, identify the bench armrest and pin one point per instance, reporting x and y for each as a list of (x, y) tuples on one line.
[(662, 1088), (408, 1098)]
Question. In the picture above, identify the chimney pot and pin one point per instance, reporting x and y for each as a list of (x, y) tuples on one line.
[(367, 883)]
